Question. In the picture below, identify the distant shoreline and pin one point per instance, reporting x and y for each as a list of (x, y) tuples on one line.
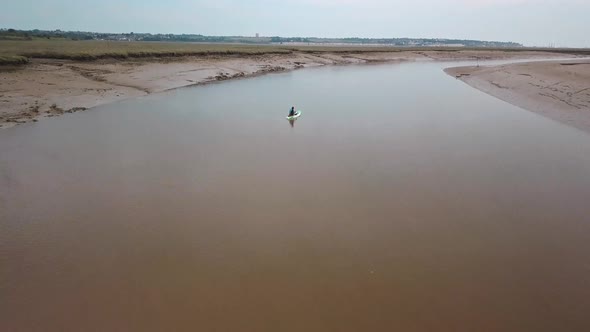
[(52, 87), (15, 34), (15, 51)]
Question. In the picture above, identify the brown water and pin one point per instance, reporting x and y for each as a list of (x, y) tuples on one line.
[(402, 200)]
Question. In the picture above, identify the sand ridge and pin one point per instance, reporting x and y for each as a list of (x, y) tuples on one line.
[(559, 90)]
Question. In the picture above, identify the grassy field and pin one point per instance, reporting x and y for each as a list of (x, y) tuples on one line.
[(14, 52), (93, 50)]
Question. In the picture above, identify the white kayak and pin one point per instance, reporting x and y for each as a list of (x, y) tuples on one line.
[(297, 114)]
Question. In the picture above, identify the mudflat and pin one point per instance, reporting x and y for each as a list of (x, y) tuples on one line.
[(559, 90), (49, 87)]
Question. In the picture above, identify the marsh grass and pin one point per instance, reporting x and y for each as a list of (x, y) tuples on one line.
[(13, 60), (17, 52), (94, 50)]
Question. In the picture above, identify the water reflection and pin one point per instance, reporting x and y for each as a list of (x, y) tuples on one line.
[(293, 116)]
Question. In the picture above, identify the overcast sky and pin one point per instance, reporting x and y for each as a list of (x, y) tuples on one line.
[(531, 22)]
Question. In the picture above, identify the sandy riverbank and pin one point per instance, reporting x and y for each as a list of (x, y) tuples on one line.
[(559, 90), (49, 88)]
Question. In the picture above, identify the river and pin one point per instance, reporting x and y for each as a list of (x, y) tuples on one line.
[(401, 200)]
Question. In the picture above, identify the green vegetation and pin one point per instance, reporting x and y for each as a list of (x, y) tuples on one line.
[(13, 60), (196, 38), (574, 51), (88, 50), (18, 52), (93, 50), (399, 42)]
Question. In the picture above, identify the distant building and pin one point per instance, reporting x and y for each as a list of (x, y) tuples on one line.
[(257, 35)]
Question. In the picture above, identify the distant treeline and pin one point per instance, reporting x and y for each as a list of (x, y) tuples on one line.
[(397, 42), (12, 34)]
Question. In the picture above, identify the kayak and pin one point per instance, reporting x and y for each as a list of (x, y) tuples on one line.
[(297, 114)]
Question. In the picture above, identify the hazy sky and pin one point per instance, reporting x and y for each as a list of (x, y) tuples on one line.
[(532, 22)]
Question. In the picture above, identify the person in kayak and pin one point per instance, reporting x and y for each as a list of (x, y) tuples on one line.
[(292, 111)]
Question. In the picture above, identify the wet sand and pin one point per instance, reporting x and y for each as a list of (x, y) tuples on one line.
[(48, 88), (559, 90)]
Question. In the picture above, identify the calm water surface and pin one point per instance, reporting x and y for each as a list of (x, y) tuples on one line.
[(402, 200)]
